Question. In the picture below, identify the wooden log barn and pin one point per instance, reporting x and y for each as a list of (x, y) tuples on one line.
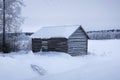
[(69, 39)]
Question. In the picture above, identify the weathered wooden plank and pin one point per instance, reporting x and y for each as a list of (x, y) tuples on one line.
[(76, 36), (78, 53), (77, 39), (72, 42), (78, 48), (81, 47), (81, 33), (77, 44)]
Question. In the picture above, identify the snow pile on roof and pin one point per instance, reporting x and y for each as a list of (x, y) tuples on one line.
[(55, 31)]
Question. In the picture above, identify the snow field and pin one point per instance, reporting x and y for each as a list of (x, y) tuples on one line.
[(102, 63)]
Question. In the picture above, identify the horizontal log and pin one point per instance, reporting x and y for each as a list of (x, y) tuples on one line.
[(77, 53), (78, 39), (77, 44), (76, 36)]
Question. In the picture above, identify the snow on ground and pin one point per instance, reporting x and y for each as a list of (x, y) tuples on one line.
[(102, 63)]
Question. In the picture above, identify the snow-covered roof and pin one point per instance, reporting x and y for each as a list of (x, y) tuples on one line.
[(55, 31)]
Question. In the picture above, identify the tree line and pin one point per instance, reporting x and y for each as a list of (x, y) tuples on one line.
[(104, 34)]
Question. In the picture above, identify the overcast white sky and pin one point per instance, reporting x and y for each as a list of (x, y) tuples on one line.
[(91, 14)]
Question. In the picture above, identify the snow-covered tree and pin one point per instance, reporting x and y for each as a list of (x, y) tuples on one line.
[(13, 20), (13, 15)]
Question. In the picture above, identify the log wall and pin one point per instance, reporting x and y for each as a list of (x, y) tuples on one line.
[(77, 43)]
